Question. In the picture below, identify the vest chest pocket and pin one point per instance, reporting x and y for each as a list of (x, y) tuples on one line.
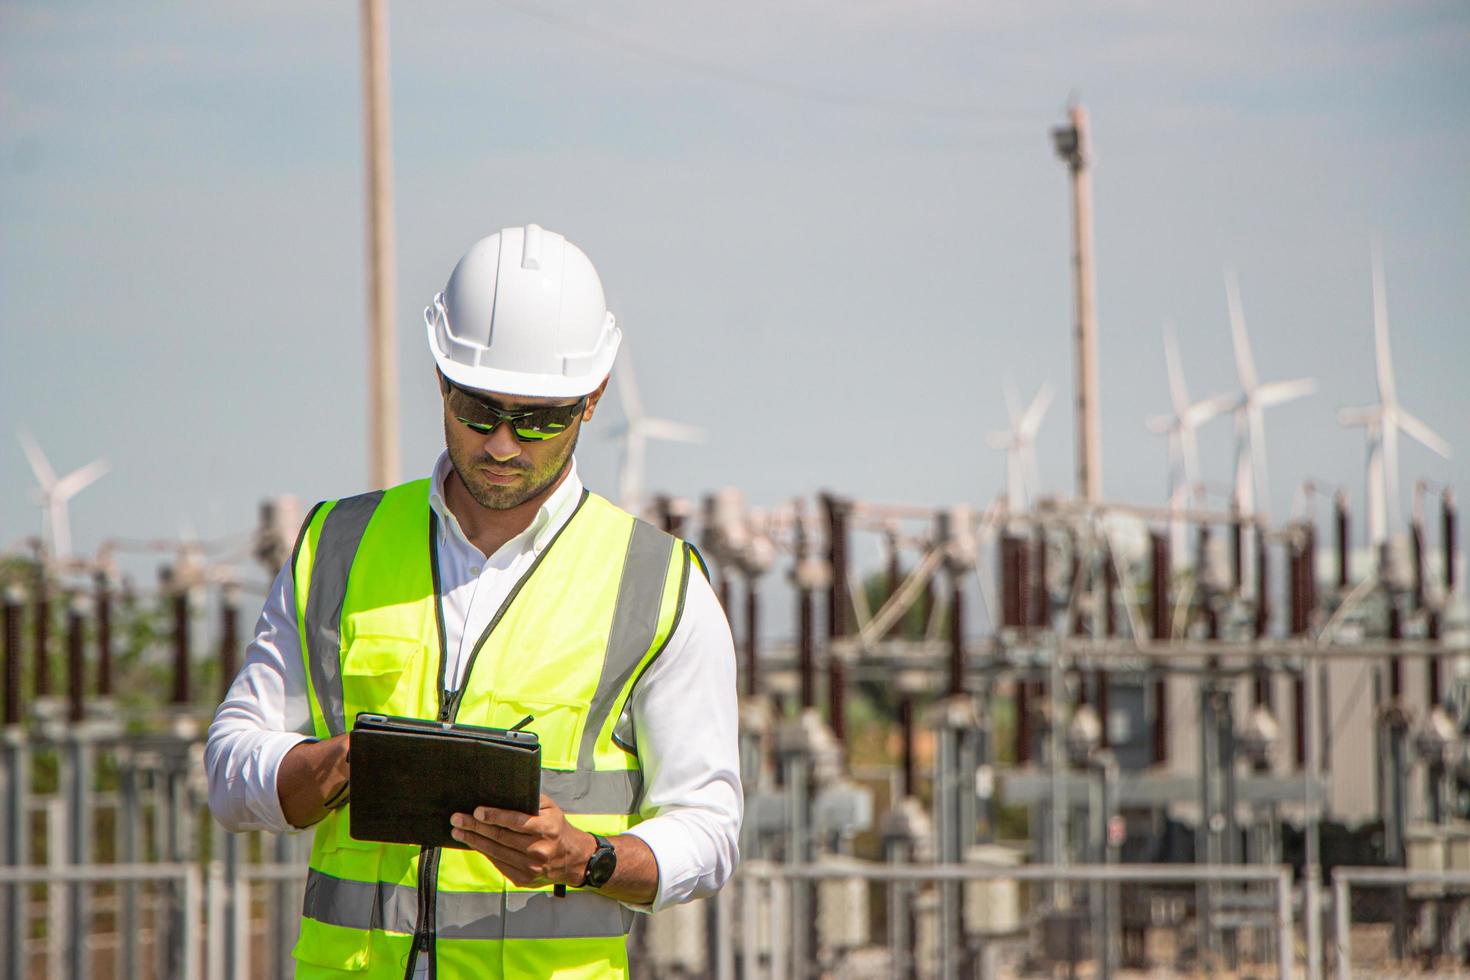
[(376, 676), (557, 723)]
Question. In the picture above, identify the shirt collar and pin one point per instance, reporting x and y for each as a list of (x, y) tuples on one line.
[(554, 512)]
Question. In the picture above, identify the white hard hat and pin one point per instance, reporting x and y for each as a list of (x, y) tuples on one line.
[(523, 314)]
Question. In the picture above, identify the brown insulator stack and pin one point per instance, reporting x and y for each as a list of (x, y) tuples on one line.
[(1110, 594), (103, 595), (1416, 546), (669, 517), (1448, 517), (752, 630), (1395, 662), (1159, 585), (1237, 554), (229, 638), (1159, 609), (41, 629), (76, 663), (906, 731), (1340, 515), (839, 602), (14, 610), (1263, 585), (806, 621), (1011, 606), (179, 602), (1300, 619), (1040, 598), (839, 605)]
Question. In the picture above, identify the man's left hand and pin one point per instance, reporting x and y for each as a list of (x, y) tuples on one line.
[(529, 850)]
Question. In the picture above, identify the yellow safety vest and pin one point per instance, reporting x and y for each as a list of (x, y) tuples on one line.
[(567, 646)]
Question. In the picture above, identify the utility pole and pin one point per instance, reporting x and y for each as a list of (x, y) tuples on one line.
[(382, 361), (1072, 146)]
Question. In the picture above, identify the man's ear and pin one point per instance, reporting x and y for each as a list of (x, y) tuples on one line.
[(593, 399)]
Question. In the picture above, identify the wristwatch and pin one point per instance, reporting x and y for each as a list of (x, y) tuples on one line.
[(601, 864)]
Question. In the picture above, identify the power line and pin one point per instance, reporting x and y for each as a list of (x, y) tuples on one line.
[(775, 86)]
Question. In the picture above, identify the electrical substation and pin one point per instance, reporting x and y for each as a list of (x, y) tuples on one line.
[(1047, 735)]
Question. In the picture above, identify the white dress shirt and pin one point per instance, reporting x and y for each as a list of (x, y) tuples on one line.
[(683, 709)]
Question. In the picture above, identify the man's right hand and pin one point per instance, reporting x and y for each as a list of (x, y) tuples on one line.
[(312, 775)]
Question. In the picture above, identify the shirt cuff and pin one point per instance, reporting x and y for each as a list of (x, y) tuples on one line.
[(266, 805), (677, 871)]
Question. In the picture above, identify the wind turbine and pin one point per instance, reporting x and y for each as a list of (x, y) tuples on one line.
[(1250, 406), (1180, 428), (53, 493), (634, 434), (1019, 442), (1383, 421)]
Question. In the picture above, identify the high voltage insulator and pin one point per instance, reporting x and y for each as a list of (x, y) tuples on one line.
[(42, 632), (1040, 596), (1011, 605), (839, 601), (103, 583), (1416, 546), (76, 658), (1263, 585), (1448, 515), (1159, 614), (1159, 605), (1340, 515), (14, 610), (229, 637)]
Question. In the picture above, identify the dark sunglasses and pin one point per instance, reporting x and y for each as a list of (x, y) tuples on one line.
[(529, 425)]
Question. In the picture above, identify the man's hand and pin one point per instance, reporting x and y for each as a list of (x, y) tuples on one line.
[(529, 850), (313, 779)]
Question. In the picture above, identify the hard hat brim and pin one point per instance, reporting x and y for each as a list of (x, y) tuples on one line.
[(574, 384)]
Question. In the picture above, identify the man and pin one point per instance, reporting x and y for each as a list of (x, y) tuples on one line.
[(497, 588)]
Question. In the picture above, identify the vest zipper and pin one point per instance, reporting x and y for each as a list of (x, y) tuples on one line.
[(424, 936)]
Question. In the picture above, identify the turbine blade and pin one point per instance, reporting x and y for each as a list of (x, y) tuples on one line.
[(1202, 411), (1368, 415), (670, 431), (628, 388), (1386, 393), (1160, 425), (1013, 404), (1280, 392), (999, 440), (1245, 365), (1422, 433), (1035, 412), (69, 485), (40, 466), (1178, 393)]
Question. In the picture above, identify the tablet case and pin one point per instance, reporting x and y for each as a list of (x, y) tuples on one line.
[(409, 776)]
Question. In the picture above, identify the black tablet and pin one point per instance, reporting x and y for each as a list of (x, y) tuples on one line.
[(409, 776)]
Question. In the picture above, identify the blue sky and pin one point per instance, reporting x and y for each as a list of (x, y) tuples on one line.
[(831, 232)]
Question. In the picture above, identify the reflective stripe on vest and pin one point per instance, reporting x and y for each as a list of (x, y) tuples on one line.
[(464, 915)]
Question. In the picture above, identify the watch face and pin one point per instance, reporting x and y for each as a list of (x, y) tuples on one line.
[(600, 867)]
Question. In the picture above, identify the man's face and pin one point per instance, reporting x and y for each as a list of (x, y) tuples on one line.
[(499, 471)]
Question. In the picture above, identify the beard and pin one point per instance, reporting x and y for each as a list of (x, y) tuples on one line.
[(535, 478)]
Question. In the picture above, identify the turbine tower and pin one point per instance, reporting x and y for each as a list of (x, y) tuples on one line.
[(1019, 442), (1383, 422), (53, 493), (634, 433), (1250, 417), (1180, 429)]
